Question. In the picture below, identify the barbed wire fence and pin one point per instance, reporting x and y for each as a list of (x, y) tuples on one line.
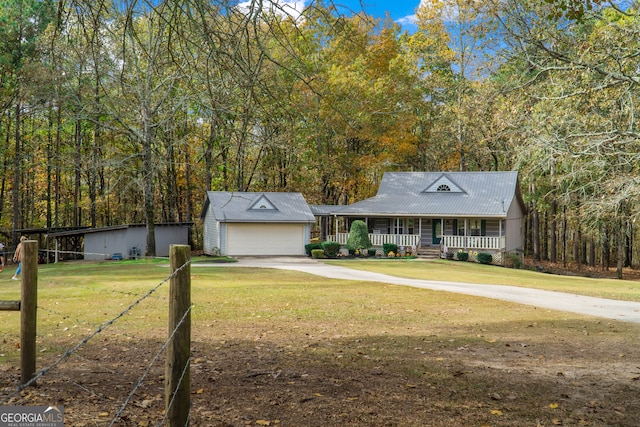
[(179, 321)]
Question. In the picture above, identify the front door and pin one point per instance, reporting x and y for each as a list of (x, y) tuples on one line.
[(436, 231)]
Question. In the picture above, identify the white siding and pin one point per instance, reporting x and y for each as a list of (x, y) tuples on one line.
[(514, 231), (265, 239), (211, 233)]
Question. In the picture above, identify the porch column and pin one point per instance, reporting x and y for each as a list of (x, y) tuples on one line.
[(397, 229), (419, 232), (466, 228), (500, 234)]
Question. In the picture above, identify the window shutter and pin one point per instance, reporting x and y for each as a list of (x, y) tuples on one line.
[(483, 227)]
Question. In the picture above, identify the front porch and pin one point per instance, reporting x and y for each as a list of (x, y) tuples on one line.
[(452, 243)]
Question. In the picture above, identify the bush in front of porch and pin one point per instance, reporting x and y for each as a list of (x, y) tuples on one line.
[(358, 239), (389, 248)]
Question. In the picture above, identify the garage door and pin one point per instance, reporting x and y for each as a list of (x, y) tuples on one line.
[(265, 239)]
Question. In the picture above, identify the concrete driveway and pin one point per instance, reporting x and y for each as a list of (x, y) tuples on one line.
[(611, 309)]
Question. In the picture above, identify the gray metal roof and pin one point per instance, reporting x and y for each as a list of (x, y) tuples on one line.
[(325, 210), (258, 207), (471, 194)]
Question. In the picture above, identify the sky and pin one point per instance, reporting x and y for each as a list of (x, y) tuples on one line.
[(401, 11)]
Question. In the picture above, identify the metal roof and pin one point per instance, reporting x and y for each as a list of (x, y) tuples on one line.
[(471, 194), (258, 207), (325, 210)]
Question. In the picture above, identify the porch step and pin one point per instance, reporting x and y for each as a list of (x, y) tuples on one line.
[(429, 253)]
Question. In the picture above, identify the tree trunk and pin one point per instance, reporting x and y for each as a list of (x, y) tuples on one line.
[(620, 245), (553, 253), (16, 174), (536, 234), (605, 249)]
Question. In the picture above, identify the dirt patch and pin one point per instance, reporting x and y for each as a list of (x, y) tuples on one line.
[(377, 369), (297, 380)]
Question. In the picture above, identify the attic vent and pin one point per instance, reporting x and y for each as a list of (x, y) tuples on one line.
[(443, 185), (263, 203)]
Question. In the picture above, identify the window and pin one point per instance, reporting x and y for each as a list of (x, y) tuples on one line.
[(443, 187), (403, 226), (477, 227)]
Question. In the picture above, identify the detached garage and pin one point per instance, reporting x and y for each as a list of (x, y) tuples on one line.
[(243, 223)]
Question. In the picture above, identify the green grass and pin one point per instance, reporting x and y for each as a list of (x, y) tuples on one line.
[(245, 318), (75, 298), (469, 272)]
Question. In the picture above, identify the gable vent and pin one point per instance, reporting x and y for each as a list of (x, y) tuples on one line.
[(443, 185), (263, 204)]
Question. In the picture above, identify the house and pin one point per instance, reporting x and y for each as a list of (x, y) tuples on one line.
[(120, 241), (469, 211), (255, 223)]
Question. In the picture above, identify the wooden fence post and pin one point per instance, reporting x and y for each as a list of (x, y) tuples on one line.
[(28, 308), (177, 376)]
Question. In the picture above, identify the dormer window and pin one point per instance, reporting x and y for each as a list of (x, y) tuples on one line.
[(443, 187)]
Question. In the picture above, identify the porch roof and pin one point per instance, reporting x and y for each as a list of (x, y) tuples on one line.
[(473, 194)]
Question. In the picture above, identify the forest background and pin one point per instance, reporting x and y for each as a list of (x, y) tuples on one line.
[(128, 111)]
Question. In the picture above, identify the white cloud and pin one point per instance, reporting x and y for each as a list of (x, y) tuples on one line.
[(292, 8), (407, 20)]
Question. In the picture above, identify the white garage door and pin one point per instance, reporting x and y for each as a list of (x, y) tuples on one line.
[(265, 239)]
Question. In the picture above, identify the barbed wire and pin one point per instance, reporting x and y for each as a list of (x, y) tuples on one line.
[(148, 369), (174, 394), (99, 329)]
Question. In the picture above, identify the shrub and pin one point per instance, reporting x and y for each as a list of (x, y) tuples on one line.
[(352, 252), (389, 247), (331, 249), (450, 254), (514, 260), (311, 246), (317, 253), (462, 256), (371, 251), (484, 258), (358, 236)]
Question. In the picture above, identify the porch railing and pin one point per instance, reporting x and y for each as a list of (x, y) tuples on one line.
[(474, 242), (407, 240)]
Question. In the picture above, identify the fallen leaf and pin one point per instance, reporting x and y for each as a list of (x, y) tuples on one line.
[(496, 412), (263, 423), (553, 405), (556, 422)]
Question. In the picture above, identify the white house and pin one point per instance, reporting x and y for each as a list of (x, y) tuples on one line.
[(255, 223), (470, 211)]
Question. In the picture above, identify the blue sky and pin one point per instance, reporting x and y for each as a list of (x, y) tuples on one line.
[(401, 11)]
